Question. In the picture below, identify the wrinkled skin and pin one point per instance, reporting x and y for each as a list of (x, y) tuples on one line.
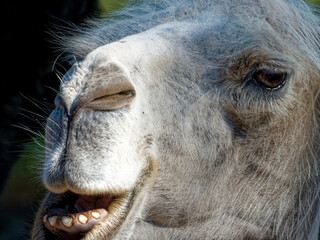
[(187, 131)]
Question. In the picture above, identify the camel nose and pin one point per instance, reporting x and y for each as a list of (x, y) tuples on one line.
[(108, 89), (105, 87)]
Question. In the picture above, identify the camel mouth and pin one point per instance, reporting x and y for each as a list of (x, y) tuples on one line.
[(101, 215), (73, 216)]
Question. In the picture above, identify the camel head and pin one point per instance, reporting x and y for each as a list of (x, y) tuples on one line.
[(196, 120)]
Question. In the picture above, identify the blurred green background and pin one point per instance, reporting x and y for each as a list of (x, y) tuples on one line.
[(24, 190), (314, 1)]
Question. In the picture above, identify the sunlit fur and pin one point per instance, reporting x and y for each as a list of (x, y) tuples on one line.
[(234, 160)]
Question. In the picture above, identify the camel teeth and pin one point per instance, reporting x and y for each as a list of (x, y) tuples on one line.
[(82, 219), (67, 221), (95, 215), (45, 218), (52, 220)]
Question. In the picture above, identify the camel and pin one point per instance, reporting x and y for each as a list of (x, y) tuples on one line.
[(187, 120)]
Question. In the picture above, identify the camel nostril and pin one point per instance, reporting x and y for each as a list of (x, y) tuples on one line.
[(111, 102), (108, 88)]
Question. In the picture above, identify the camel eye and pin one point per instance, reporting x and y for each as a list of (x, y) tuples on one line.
[(270, 80)]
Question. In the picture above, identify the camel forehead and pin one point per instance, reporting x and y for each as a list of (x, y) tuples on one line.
[(166, 41), (144, 49), (129, 50), (284, 17)]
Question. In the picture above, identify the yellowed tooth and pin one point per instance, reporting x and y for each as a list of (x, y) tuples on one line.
[(82, 219), (45, 218), (67, 221), (52, 220), (95, 214)]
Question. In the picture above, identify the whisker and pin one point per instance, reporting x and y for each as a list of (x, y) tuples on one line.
[(28, 129)]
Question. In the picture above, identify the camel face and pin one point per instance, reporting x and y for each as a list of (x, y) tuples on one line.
[(203, 127)]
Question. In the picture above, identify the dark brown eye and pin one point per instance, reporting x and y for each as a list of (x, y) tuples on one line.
[(270, 79)]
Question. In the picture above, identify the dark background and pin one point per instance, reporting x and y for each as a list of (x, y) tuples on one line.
[(29, 69), (27, 58), (29, 83), (30, 65)]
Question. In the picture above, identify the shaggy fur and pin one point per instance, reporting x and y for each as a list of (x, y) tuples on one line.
[(206, 151)]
